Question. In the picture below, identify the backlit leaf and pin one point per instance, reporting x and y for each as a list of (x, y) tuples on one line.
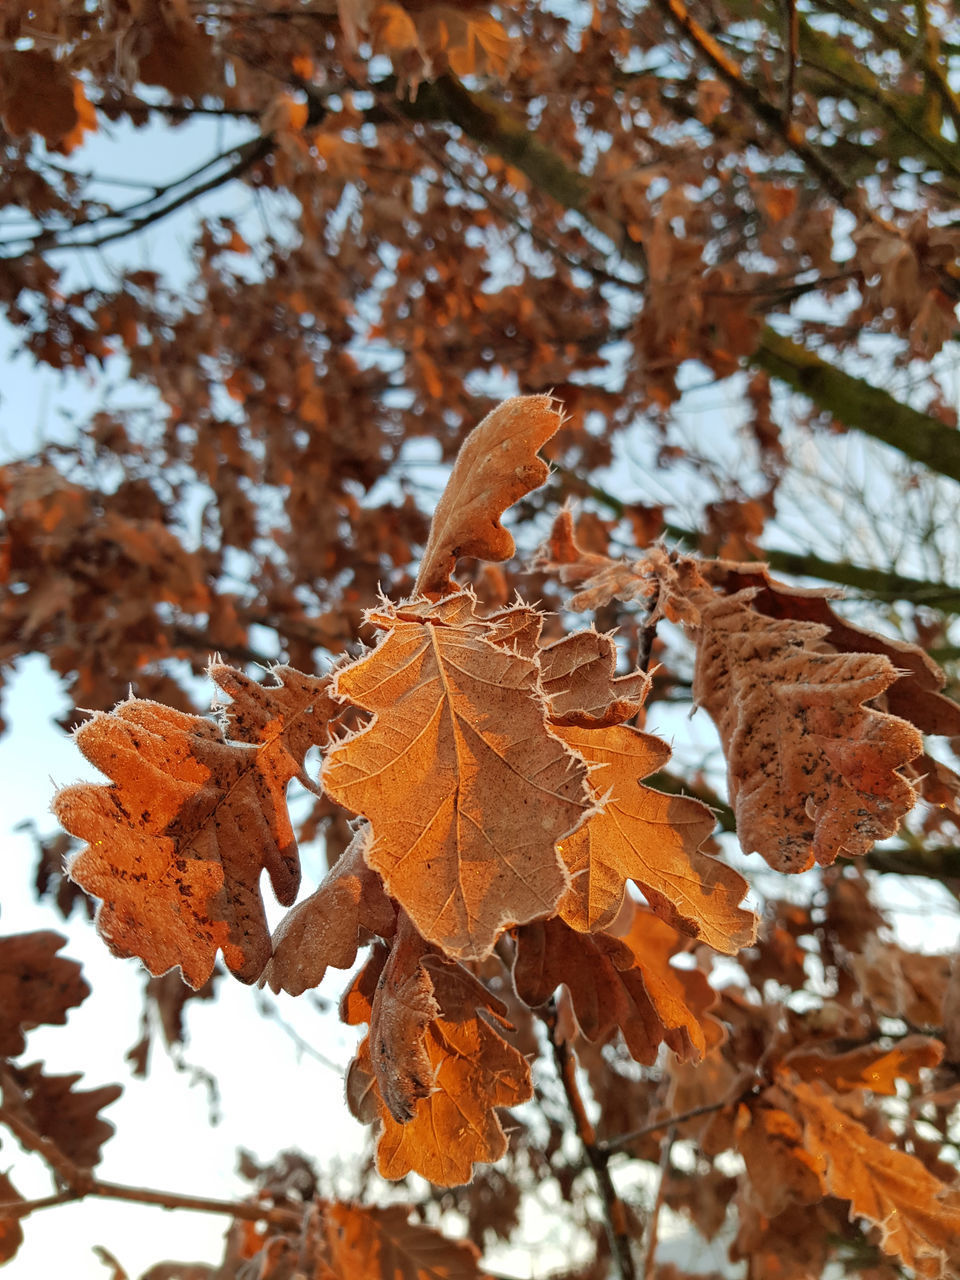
[(652, 839), (466, 789)]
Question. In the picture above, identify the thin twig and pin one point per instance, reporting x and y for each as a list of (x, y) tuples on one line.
[(615, 1214), (793, 40), (278, 1217), (79, 1183), (612, 1145)]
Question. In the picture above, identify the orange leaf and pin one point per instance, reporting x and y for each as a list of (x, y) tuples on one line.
[(372, 1244), (618, 982), (177, 843), (652, 839), (473, 1070), (86, 120), (496, 466), (868, 1067), (917, 1215), (781, 1171), (470, 43), (466, 789)]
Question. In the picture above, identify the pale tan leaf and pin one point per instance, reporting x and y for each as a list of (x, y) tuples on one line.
[(496, 466), (652, 839), (465, 788)]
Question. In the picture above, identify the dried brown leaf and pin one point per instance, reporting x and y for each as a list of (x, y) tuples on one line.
[(918, 1216), (473, 1070), (624, 982), (366, 1243), (54, 1109), (37, 986), (176, 844), (579, 679), (326, 928), (868, 1067), (11, 1233)]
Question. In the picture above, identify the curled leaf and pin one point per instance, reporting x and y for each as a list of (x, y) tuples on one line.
[(473, 1071), (325, 929), (496, 466)]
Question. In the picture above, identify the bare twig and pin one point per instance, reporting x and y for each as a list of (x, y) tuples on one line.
[(668, 1122), (615, 1214)]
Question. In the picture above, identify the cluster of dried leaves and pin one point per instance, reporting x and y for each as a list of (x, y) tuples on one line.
[(500, 822)]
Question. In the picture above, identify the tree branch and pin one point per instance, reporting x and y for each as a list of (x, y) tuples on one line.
[(80, 1183), (858, 404)]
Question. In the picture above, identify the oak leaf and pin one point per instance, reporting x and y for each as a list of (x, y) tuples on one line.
[(917, 1215), (37, 986), (780, 1170), (403, 1007), (624, 982), (289, 715), (496, 466), (473, 1070), (68, 1117), (383, 1244), (326, 928), (650, 838), (466, 789), (176, 844)]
